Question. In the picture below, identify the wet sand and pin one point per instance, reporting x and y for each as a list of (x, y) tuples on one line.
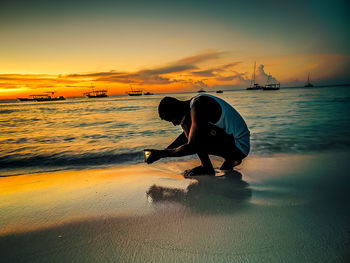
[(286, 208)]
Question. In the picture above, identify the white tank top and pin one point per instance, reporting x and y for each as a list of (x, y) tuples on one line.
[(232, 123)]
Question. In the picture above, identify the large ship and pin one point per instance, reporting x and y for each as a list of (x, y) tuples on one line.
[(308, 83), (43, 97), (253, 85), (31, 98)]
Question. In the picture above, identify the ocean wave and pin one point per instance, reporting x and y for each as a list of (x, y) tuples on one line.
[(6, 111), (66, 160)]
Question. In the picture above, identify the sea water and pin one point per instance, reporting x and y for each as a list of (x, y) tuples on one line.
[(82, 133)]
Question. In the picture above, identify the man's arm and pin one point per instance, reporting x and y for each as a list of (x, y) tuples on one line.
[(189, 148), (180, 140), (199, 126), (183, 150)]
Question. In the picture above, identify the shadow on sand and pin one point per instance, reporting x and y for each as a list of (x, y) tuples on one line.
[(207, 194)]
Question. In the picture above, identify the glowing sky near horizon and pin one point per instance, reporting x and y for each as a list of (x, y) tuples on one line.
[(62, 38)]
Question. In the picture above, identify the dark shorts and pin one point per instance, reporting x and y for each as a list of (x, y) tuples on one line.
[(216, 141), (236, 152)]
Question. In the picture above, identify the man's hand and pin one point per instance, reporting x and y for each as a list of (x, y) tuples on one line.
[(155, 155)]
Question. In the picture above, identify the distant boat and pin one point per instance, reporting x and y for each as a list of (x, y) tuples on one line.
[(31, 98), (42, 97), (219, 91), (253, 85), (271, 86), (201, 91), (96, 93), (134, 92), (308, 83), (148, 93)]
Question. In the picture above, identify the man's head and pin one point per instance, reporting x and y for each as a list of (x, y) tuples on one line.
[(171, 109)]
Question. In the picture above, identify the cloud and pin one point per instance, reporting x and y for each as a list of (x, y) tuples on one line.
[(167, 69), (136, 78), (33, 81), (203, 56), (200, 84), (78, 86), (97, 74), (28, 77), (186, 71), (155, 75), (262, 78), (236, 75), (214, 72), (34, 78), (231, 65), (8, 86), (204, 73)]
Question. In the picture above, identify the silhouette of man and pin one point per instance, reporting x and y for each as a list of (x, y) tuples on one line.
[(210, 126)]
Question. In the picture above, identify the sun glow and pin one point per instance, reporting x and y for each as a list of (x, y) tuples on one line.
[(209, 69)]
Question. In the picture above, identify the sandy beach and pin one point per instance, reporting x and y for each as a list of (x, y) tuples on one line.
[(87, 88), (285, 208)]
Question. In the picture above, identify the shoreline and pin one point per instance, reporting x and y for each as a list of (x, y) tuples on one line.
[(179, 160), (286, 207)]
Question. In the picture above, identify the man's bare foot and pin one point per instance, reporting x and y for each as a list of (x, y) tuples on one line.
[(226, 166), (199, 170)]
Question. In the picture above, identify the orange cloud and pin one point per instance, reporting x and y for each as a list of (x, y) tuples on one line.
[(185, 74)]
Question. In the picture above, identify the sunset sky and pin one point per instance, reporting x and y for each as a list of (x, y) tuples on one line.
[(169, 46)]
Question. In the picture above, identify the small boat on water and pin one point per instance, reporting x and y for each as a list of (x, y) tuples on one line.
[(271, 86), (308, 83), (201, 91), (148, 93), (219, 91), (256, 86), (253, 85), (134, 92), (43, 97), (96, 93)]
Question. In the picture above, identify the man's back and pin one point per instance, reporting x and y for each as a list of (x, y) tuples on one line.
[(224, 116)]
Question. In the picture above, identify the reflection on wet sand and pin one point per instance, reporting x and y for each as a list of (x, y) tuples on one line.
[(207, 194)]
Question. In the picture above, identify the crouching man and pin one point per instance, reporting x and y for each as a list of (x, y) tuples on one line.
[(210, 126)]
